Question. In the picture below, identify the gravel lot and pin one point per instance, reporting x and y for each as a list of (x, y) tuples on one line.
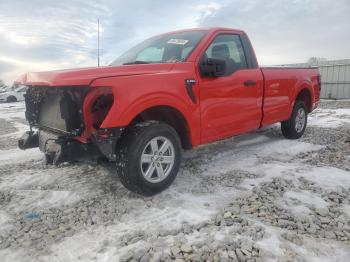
[(256, 197)]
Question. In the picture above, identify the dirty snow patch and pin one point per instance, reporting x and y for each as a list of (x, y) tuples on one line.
[(307, 198), (13, 156), (330, 118), (327, 177)]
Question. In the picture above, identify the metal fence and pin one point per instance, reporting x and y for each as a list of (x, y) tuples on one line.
[(335, 78)]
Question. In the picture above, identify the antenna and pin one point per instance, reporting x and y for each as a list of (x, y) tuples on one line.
[(98, 42)]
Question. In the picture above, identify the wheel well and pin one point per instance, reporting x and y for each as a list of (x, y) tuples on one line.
[(305, 96), (100, 108), (170, 116)]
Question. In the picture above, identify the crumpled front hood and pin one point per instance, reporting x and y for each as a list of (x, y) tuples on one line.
[(85, 76)]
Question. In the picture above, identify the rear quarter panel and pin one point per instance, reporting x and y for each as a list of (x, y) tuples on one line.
[(282, 86)]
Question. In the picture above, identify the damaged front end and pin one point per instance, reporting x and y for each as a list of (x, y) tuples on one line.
[(57, 116)]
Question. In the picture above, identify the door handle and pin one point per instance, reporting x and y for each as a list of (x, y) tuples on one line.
[(249, 83)]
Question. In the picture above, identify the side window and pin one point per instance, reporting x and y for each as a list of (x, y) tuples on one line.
[(229, 48)]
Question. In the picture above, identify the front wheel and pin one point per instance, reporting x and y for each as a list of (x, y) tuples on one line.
[(295, 126), (148, 157)]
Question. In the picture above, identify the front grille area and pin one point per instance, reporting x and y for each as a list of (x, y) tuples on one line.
[(56, 109)]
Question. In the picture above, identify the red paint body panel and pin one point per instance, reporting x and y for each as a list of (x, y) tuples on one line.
[(282, 85), (224, 106), (228, 107), (84, 76), (134, 94)]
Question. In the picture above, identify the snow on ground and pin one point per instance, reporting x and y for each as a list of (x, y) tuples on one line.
[(306, 198), (257, 195), (330, 118), (13, 156), (12, 110)]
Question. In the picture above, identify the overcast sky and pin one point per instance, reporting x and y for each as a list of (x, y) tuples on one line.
[(39, 35)]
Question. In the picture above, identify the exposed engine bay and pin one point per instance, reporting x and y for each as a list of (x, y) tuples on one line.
[(56, 109), (56, 120)]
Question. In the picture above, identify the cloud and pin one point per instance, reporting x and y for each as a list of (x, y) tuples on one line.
[(59, 34), (44, 35), (6, 67), (285, 31)]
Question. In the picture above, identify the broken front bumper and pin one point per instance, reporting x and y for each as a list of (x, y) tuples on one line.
[(62, 148), (58, 148), (57, 113)]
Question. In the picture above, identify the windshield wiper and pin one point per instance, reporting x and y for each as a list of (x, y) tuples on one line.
[(136, 62)]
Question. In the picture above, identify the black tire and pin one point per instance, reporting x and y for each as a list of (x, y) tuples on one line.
[(11, 99), (289, 127), (131, 148)]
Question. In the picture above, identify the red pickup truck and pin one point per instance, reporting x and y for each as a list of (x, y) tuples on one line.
[(170, 93)]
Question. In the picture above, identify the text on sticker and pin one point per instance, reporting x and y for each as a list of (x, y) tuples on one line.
[(178, 41)]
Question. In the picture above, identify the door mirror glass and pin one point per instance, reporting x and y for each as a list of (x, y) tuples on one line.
[(213, 67)]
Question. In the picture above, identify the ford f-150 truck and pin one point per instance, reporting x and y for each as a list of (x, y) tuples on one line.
[(169, 93)]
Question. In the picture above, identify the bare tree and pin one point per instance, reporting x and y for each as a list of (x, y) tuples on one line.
[(2, 84), (316, 60)]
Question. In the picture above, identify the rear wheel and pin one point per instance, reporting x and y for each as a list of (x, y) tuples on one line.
[(11, 99), (295, 126), (148, 157)]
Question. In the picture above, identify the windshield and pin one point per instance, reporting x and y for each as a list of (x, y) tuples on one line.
[(169, 48)]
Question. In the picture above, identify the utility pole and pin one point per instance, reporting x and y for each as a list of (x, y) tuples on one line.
[(98, 42)]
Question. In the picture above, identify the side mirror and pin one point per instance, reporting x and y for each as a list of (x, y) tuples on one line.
[(213, 67)]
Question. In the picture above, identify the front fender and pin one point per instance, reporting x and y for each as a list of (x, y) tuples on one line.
[(134, 94), (122, 116), (119, 118)]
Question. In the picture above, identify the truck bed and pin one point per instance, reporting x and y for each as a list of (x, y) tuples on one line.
[(279, 90)]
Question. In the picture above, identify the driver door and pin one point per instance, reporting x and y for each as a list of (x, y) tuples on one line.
[(230, 104)]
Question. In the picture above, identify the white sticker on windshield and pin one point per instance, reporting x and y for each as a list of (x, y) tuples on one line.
[(178, 41)]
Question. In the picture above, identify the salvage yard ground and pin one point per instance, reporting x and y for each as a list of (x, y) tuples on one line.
[(256, 197)]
